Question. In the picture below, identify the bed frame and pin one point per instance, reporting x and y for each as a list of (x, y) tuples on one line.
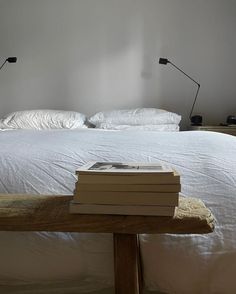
[(51, 213)]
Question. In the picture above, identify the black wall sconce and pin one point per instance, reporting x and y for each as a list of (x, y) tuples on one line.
[(10, 60), (196, 119)]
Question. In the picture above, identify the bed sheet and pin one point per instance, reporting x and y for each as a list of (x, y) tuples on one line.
[(44, 162)]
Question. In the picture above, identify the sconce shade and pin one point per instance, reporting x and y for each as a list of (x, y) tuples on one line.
[(12, 59), (163, 61)]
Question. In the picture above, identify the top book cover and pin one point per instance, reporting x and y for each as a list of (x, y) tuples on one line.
[(124, 168)]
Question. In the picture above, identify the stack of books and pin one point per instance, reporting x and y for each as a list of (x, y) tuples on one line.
[(126, 188)]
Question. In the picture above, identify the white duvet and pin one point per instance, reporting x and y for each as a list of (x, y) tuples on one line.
[(44, 162)]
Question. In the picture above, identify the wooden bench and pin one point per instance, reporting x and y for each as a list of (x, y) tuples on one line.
[(51, 214)]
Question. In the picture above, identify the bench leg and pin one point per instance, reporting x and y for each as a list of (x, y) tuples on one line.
[(128, 277)]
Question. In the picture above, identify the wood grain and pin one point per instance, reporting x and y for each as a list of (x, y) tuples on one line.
[(126, 264), (51, 213)]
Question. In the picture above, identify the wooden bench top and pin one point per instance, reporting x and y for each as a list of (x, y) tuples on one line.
[(51, 213)]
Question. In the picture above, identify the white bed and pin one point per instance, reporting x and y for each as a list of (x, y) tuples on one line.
[(44, 162)]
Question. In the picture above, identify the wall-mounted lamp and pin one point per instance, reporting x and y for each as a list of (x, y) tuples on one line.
[(196, 119), (10, 60)]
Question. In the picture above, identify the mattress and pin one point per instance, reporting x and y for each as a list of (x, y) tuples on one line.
[(44, 162)]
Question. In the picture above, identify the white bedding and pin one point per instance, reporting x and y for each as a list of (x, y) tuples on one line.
[(44, 162), (158, 128)]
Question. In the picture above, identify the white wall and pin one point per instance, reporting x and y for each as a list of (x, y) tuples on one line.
[(92, 55)]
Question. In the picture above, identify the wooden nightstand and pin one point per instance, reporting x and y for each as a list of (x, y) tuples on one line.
[(230, 130)]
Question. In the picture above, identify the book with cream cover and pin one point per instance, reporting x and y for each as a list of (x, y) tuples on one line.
[(127, 173), (124, 168)]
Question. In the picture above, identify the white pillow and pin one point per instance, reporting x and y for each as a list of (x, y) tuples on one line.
[(159, 128), (138, 116), (43, 119)]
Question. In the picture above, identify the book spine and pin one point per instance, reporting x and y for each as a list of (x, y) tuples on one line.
[(121, 210), (122, 198), (85, 179), (127, 187)]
